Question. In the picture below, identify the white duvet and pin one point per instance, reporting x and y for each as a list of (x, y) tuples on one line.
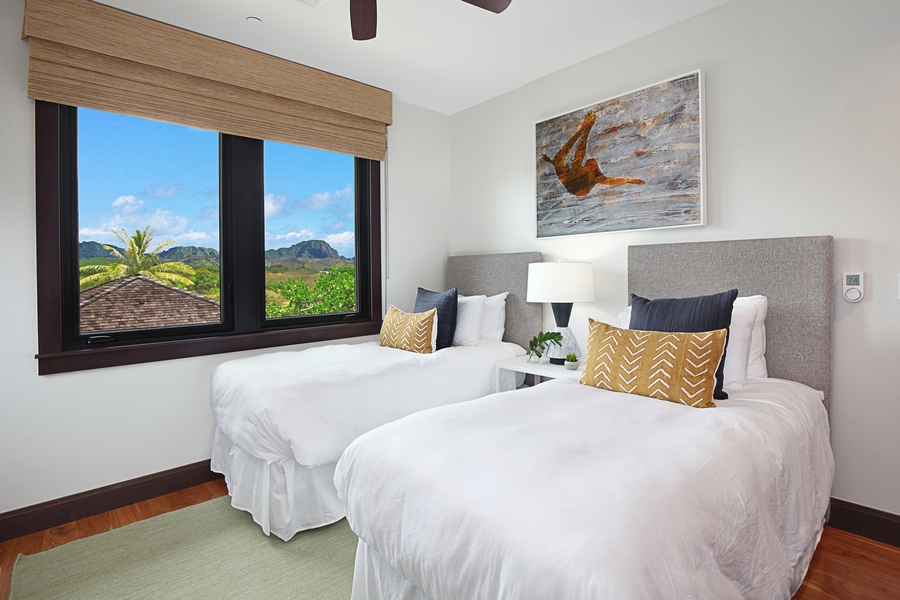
[(308, 405), (565, 492)]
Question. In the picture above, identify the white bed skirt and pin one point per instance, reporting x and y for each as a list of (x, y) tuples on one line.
[(283, 496), (375, 579)]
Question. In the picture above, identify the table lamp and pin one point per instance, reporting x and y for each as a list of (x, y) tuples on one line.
[(561, 284)]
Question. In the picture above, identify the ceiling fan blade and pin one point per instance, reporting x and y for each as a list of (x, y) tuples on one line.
[(495, 6), (363, 19)]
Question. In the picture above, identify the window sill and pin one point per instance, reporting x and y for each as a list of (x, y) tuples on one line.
[(96, 358)]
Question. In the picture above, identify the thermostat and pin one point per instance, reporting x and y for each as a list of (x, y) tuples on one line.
[(854, 289)]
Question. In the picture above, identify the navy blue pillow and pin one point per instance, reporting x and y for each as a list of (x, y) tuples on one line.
[(446, 305), (688, 315)]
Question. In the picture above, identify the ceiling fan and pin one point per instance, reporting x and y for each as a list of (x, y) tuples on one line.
[(364, 15)]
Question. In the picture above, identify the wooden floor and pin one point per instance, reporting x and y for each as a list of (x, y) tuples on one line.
[(845, 566)]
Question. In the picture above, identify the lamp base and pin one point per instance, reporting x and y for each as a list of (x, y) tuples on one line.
[(557, 354)]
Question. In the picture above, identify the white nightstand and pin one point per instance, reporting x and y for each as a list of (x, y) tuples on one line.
[(541, 370)]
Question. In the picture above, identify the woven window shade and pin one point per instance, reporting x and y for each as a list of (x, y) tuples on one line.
[(85, 54)]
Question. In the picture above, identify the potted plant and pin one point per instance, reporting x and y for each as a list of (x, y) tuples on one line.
[(539, 343), (571, 361)]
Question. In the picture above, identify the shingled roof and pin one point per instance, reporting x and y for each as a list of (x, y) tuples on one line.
[(141, 303)]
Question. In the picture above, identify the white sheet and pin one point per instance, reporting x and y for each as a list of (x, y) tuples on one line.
[(283, 419), (565, 491)]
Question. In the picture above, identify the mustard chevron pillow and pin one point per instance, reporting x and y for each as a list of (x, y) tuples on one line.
[(678, 367), (409, 331)]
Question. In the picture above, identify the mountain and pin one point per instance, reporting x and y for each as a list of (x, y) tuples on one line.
[(190, 254), (305, 249), (197, 256), (93, 250)]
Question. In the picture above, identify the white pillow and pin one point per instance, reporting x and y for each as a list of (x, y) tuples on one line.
[(757, 364), (737, 352), (734, 372), (493, 317), (468, 320)]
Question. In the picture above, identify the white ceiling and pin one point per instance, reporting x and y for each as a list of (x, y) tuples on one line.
[(444, 55)]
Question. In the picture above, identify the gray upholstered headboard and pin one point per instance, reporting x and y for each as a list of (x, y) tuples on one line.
[(795, 274), (491, 274)]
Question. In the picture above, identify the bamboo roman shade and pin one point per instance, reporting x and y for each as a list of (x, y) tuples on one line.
[(85, 54)]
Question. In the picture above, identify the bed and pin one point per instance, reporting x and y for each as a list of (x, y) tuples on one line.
[(283, 418), (564, 490)]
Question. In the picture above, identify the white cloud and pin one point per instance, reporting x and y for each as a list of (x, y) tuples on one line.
[(344, 239), (129, 214), (90, 233), (127, 205), (292, 236), (323, 200), (274, 204), (164, 224)]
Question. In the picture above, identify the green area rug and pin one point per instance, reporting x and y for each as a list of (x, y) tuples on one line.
[(210, 550)]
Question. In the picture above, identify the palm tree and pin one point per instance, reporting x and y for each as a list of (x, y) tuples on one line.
[(136, 259)]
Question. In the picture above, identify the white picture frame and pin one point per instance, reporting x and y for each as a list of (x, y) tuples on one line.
[(631, 162)]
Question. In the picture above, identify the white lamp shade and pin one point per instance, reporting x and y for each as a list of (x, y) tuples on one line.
[(560, 282)]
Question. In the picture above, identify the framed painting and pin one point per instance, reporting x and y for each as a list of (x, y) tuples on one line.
[(630, 162)]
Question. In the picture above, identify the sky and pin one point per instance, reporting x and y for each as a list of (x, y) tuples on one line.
[(134, 172)]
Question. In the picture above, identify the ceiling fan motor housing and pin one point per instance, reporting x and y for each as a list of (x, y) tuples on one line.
[(364, 15)]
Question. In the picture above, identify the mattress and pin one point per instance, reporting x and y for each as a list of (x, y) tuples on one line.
[(284, 418), (567, 491)]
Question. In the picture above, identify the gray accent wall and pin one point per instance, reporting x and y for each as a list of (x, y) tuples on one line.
[(794, 274), (492, 274)]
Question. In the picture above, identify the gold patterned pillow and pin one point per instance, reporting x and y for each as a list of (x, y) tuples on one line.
[(409, 331), (678, 367)]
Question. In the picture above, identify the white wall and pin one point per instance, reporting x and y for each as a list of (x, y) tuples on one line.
[(802, 123), (417, 203), (64, 434)]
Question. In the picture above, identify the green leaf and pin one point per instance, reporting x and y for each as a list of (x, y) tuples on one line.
[(544, 338)]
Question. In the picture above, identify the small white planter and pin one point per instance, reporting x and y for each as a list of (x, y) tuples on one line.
[(571, 365)]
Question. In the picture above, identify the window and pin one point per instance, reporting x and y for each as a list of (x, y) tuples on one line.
[(160, 241), (310, 241), (147, 204)]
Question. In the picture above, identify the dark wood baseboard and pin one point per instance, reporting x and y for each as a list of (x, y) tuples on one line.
[(42, 516), (868, 522)]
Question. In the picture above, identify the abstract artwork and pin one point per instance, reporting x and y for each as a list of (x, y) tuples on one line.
[(631, 162)]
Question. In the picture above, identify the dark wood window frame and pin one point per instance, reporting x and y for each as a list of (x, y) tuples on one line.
[(245, 329)]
